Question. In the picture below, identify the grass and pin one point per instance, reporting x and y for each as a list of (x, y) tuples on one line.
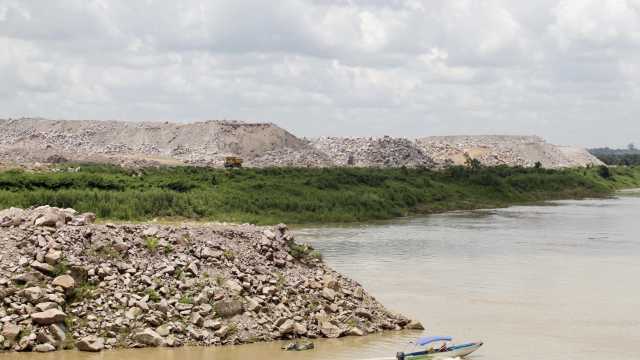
[(151, 243), (298, 195), (186, 299)]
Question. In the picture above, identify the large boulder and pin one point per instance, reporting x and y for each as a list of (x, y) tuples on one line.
[(414, 325), (52, 218), (90, 343), (10, 331), (51, 316), (148, 337), (43, 348), (287, 327), (330, 330), (12, 217), (53, 257), (228, 308), (64, 281), (328, 294), (43, 267)]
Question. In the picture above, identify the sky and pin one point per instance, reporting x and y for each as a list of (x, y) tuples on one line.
[(565, 70)]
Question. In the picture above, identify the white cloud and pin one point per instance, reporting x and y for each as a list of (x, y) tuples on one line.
[(566, 70)]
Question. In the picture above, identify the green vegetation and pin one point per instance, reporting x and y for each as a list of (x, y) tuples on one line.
[(303, 251), (186, 299), (151, 243), (153, 295), (81, 292), (622, 157), (297, 195)]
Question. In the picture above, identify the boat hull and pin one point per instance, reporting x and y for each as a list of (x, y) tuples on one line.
[(459, 351)]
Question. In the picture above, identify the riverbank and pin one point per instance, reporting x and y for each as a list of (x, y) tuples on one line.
[(298, 195), (68, 283)]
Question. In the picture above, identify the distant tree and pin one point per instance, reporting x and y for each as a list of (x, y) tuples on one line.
[(471, 163), (604, 172), (538, 165), (631, 147)]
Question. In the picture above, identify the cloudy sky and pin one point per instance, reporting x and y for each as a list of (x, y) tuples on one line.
[(566, 70)]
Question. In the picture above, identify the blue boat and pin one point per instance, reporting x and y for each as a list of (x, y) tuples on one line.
[(445, 350)]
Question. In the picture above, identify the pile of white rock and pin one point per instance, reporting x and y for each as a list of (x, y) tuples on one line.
[(373, 152)]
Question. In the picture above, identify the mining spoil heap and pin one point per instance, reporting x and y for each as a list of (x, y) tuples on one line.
[(202, 143), (511, 150), (30, 141), (65, 282)]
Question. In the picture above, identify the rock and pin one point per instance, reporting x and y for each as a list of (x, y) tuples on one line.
[(269, 234), (222, 332), (196, 319), (163, 306), (34, 293), (83, 219), (252, 304), (163, 330), (304, 345), (90, 343), (298, 346), (328, 294), (300, 329), (286, 327), (51, 218), (47, 306), (289, 346), (183, 307), (171, 341), (133, 313), (355, 331), (53, 257), (45, 338), (212, 324), (43, 267), (43, 348), (228, 308), (331, 283), (58, 333), (10, 331), (148, 337), (329, 330), (358, 293), (151, 231), (64, 281), (234, 286), (12, 217), (414, 325), (364, 314), (30, 278), (48, 317)]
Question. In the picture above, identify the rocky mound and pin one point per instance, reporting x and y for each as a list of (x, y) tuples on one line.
[(30, 141), (65, 282), (201, 143), (373, 152), (493, 150)]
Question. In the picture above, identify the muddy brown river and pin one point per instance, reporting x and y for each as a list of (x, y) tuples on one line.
[(558, 281)]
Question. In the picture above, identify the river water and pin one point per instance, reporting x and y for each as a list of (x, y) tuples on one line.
[(559, 281)]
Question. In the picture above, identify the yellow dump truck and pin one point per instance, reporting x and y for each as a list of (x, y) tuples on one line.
[(231, 162)]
